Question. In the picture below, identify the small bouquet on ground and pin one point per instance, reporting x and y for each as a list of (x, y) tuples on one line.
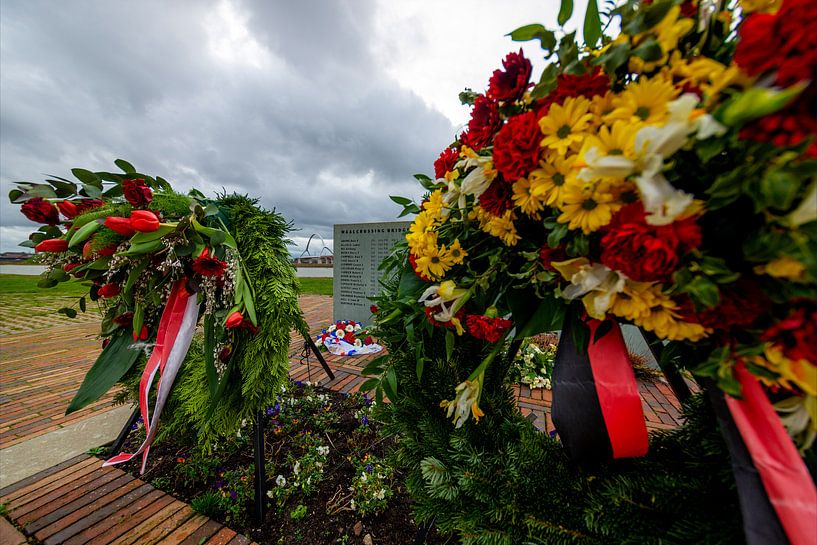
[(346, 338), (533, 365)]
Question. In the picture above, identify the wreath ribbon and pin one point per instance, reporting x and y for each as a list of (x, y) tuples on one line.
[(789, 486), (176, 328)]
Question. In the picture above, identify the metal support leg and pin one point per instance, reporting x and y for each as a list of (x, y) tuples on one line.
[(308, 340)]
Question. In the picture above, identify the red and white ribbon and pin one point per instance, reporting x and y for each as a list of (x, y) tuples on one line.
[(176, 328)]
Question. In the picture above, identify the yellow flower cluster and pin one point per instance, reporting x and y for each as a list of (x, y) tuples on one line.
[(501, 227), (431, 259), (794, 375), (647, 306)]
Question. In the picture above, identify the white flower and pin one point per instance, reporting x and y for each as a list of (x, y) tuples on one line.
[(357, 327), (349, 328), (331, 328), (352, 504), (444, 295), (323, 451), (296, 469), (318, 341), (340, 333), (807, 210), (593, 282), (380, 494), (358, 343), (363, 476), (280, 480), (464, 403), (269, 494), (539, 382)]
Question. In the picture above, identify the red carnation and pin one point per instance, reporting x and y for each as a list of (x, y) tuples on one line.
[(120, 226), (137, 193), (646, 252), (483, 124), (350, 338), (144, 221), (83, 205), (516, 147), (234, 320), (511, 83), (207, 265), (486, 328), (592, 83), (368, 340), (109, 290), (752, 53), (41, 211), (796, 335), (373, 309), (52, 245), (446, 161), (497, 198)]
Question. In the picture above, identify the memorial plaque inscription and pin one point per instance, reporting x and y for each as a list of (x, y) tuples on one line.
[(359, 249)]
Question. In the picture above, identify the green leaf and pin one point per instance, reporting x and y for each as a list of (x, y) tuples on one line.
[(134, 274), (532, 315), (144, 248), (390, 383), (565, 12), (535, 32), (418, 368), (649, 50), (82, 305), (209, 356), (114, 191), (369, 385), (27, 244), (592, 24), (71, 313), (92, 191), (614, 58), (83, 233), (402, 201), (16, 195), (125, 166), (87, 177), (141, 238), (42, 190), (249, 304), (211, 209), (547, 82), (557, 234), (111, 365), (218, 238), (449, 345), (779, 188)]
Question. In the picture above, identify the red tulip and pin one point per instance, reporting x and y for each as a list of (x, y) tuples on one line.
[(144, 221), (52, 245), (108, 250), (234, 320), (86, 249), (108, 290), (68, 209), (120, 226), (68, 267), (142, 336)]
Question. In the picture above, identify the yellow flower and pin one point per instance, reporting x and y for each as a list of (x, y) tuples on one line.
[(602, 105), (456, 253), (644, 101), (587, 206), (565, 126), (433, 262), (524, 198), (801, 374), (635, 301), (435, 205), (547, 182), (784, 267), (503, 228), (465, 403), (667, 33), (662, 317)]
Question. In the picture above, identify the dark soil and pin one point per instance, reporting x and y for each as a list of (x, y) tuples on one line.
[(181, 469)]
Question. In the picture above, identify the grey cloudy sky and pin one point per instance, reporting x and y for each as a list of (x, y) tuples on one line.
[(320, 108)]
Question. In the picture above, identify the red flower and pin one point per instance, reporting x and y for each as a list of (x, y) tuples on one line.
[(787, 127), (234, 320), (486, 328), (548, 255), (144, 221), (483, 124), (83, 205), (68, 209), (373, 309), (646, 252), (430, 311), (109, 290), (497, 198), (41, 211), (350, 338), (207, 265), (53, 245), (143, 334), (739, 306), (516, 147), (108, 250), (368, 340), (68, 267), (137, 192), (796, 335), (512, 82), (592, 83), (120, 226), (446, 161), (124, 320), (86, 249), (225, 352)]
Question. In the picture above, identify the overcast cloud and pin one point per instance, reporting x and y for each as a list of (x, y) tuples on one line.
[(320, 108)]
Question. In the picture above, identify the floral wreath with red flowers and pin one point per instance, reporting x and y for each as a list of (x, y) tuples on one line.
[(347, 338)]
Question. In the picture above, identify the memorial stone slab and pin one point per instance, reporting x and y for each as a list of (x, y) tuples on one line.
[(359, 250)]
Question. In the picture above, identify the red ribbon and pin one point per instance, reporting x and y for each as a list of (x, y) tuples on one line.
[(617, 390), (784, 475)]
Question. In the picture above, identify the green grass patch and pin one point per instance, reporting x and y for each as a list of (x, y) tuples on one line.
[(316, 286), (19, 284)]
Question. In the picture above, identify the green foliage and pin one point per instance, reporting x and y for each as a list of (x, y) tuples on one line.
[(171, 204)]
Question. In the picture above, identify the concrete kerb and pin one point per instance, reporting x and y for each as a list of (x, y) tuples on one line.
[(29, 457)]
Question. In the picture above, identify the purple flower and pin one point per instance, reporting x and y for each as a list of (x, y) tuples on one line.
[(364, 420), (233, 494), (219, 484), (299, 383), (270, 411), (369, 468)]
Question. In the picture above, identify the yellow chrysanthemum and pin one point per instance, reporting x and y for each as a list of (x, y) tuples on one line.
[(601, 106), (435, 204), (456, 253), (548, 181), (524, 198), (587, 206), (434, 262), (421, 232), (501, 227), (565, 126), (661, 318), (643, 102)]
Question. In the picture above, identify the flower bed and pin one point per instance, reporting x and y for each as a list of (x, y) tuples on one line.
[(327, 478)]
